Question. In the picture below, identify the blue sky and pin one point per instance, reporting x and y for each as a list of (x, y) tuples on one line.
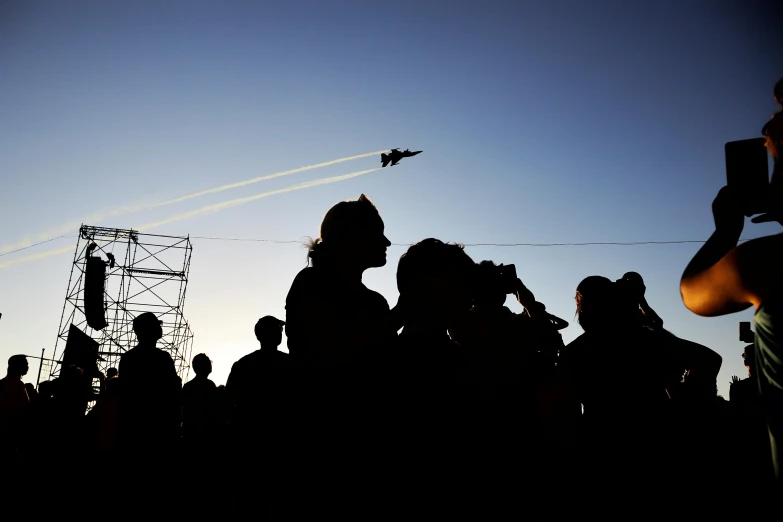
[(540, 122)]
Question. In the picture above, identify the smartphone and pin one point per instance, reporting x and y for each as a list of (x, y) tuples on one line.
[(747, 174), (745, 333), (508, 274)]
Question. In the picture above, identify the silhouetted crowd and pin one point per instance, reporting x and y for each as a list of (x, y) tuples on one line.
[(448, 405)]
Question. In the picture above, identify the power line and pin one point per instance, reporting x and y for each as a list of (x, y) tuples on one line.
[(245, 239), (290, 241), (588, 243)]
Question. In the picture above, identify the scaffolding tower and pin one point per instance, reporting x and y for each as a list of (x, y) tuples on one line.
[(144, 273)]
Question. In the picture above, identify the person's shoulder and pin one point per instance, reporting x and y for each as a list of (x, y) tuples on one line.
[(306, 278), (245, 362), (583, 340), (129, 358), (770, 307), (376, 299), (579, 349), (281, 357), (163, 355), (247, 359), (307, 282)]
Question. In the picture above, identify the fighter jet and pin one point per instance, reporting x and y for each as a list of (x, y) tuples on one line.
[(395, 156)]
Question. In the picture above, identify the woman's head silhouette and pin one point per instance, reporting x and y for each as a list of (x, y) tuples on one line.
[(352, 237)]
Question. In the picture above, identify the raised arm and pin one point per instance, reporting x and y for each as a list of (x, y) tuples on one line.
[(712, 283)]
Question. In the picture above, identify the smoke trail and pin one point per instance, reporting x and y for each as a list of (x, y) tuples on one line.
[(127, 209), (207, 209), (241, 201), (36, 256), (264, 178)]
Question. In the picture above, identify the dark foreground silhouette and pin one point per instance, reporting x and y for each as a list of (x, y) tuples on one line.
[(447, 406)]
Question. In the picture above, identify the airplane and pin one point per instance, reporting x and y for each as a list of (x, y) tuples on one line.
[(395, 156)]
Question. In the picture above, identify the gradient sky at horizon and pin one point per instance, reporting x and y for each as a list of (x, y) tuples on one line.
[(540, 122)]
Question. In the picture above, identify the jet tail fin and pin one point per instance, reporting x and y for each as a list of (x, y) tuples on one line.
[(384, 159)]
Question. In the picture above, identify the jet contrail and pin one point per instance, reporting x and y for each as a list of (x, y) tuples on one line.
[(127, 209), (36, 256), (207, 209), (241, 201), (263, 178)]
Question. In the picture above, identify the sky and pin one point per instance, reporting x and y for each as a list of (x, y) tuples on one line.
[(540, 122)]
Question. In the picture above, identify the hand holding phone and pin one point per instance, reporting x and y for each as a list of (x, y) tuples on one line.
[(747, 174)]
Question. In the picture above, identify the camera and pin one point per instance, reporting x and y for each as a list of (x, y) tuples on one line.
[(507, 278), (493, 283)]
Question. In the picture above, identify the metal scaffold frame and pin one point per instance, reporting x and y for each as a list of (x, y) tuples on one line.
[(144, 273)]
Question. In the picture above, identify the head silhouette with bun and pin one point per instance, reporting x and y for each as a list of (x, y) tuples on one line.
[(352, 238)]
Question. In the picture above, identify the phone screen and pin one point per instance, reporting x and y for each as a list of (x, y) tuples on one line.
[(747, 173)]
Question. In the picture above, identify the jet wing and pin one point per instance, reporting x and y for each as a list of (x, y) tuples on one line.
[(385, 159)]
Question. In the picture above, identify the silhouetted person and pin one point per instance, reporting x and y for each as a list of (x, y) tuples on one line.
[(744, 389), (619, 372), (42, 424), (750, 421), (200, 437), (436, 438), (14, 405), (259, 389), (14, 419), (723, 278), (257, 384), (702, 364), (111, 373), (199, 405), (338, 332), (512, 358), (149, 414), (106, 422), (333, 320)]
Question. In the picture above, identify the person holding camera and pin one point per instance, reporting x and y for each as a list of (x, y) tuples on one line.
[(619, 373), (724, 277), (511, 346), (512, 359)]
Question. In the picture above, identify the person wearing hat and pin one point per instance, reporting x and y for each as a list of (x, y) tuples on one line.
[(149, 406), (258, 388)]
